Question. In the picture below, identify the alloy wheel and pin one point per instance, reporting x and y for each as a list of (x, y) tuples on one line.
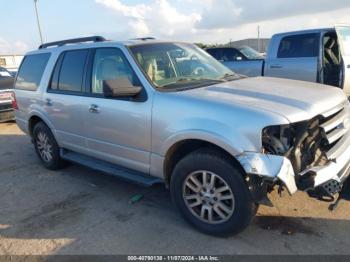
[(44, 146), (208, 197)]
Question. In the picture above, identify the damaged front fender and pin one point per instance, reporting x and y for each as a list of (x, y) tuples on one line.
[(268, 166)]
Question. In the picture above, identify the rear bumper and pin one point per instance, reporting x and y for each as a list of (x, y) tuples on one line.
[(6, 112)]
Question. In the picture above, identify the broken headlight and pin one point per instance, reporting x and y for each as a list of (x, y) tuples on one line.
[(302, 143)]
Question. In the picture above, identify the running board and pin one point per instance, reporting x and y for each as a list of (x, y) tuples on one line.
[(111, 169)]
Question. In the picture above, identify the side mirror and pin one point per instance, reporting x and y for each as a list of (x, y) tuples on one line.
[(120, 87), (239, 58)]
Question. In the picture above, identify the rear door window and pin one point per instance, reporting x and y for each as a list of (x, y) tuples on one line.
[(71, 71), (31, 71), (216, 53), (304, 45), (231, 54)]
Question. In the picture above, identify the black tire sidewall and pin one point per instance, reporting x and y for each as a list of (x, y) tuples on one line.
[(245, 208), (56, 161)]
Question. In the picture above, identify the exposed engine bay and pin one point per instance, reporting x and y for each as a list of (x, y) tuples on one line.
[(302, 143)]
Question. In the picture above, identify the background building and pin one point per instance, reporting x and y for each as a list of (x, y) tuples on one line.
[(10, 62), (259, 45)]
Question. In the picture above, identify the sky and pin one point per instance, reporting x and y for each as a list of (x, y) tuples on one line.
[(206, 21)]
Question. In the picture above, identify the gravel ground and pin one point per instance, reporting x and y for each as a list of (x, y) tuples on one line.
[(80, 211)]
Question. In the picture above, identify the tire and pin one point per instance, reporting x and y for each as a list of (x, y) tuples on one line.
[(48, 153), (239, 206)]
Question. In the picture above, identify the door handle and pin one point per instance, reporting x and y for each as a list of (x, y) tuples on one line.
[(49, 102), (94, 109), (276, 66)]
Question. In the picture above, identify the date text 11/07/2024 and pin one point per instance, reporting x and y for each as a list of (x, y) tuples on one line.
[(173, 258)]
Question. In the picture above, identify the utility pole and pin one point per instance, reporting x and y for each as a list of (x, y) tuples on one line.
[(259, 38), (38, 22)]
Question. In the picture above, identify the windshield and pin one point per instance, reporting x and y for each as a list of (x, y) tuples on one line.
[(250, 53), (344, 38), (176, 65)]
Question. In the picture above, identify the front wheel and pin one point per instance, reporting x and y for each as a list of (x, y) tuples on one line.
[(211, 193)]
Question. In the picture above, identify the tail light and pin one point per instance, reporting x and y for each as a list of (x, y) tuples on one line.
[(9, 96), (14, 101)]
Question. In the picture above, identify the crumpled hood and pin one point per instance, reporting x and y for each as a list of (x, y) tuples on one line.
[(294, 100)]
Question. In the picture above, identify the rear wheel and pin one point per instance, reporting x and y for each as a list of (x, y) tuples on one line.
[(46, 147), (211, 193)]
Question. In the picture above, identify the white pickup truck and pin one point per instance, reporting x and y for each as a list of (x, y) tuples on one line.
[(318, 55)]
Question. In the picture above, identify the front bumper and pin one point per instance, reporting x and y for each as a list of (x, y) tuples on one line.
[(323, 181), (270, 167), (338, 168), (330, 177)]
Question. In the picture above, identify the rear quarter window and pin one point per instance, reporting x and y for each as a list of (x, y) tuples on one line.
[(31, 71), (304, 45)]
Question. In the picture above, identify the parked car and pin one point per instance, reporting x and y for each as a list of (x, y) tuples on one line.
[(243, 60), (6, 96), (13, 72), (4, 72), (319, 55), (150, 111)]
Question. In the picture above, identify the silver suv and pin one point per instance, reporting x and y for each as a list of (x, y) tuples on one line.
[(149, 111)]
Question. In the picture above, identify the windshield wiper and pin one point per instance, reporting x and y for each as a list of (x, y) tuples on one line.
[(229, 76), (193, 80)]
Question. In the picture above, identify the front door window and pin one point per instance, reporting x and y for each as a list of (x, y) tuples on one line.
[(111, 64)]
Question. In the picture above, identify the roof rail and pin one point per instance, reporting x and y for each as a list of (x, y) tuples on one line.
[(74, 40), (144, 38)]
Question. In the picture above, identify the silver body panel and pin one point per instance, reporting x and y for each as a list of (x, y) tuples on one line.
[(120, 133)]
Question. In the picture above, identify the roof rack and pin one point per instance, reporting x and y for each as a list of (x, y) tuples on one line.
[(144, 38), (73, 41)]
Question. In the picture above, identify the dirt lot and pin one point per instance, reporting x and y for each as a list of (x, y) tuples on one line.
[(79, 211)]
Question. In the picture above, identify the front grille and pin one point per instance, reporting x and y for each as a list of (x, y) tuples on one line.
[(334, 127), (335, 130)]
